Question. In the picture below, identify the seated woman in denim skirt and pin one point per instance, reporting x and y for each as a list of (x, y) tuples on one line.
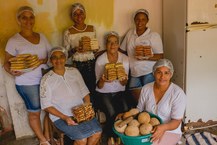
[(63, 88)]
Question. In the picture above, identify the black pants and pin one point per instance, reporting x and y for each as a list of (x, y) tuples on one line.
[(111, 104), (87, 70)]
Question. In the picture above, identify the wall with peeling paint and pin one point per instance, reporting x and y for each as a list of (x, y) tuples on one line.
[(52, 18)]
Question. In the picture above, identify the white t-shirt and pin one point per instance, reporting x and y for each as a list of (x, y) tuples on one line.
[(171, 106), (131, 40), (62, 92), (17, 44), (114, 86), (70, 41)]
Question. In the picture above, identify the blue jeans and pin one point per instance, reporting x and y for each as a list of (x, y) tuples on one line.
[(31, 97), (139, 82)]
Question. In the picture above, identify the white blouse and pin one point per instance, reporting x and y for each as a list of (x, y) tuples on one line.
[(62, 92), (131, 40), (171, 106), (114, 86), (17, 44), (72, 40)]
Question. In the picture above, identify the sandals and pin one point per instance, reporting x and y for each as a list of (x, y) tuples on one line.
[(44, 143)]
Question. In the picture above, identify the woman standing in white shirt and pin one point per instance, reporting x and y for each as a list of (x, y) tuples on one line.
[(141, 70), (27, 84), (84, 61)]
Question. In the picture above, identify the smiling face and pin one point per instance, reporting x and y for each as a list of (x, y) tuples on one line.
[(162, 76), (78, 16), (26, 20), (141, 21), (58, 60), (112, 45)]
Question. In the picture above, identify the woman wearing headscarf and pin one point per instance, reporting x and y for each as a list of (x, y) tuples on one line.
[(27, 82), (141, 36), (111, 91), (63, 88), (83, 60), (165, 99)]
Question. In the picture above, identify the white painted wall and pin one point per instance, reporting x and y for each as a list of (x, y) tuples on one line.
[(202, 11), (3, 94)]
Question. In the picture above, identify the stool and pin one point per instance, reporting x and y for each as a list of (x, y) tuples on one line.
[(55, 134)]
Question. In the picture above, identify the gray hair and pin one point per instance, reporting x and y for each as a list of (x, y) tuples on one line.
[(23, 9), (163, 62), (77, 6), (111, 33), (141, 11), (55, 49)]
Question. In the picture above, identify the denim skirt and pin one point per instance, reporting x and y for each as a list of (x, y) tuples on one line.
[(80, 131)]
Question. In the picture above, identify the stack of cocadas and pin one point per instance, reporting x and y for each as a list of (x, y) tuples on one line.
[(143, 52), (23, 62), (88, 44), (114, 71), (83, 112)]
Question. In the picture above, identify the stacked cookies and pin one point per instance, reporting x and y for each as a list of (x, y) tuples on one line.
[(83, 112), (114, 71), (85, 43), (110, 71), (24, 61), (143, 52), (94, 45), (88, 44), (120, 71)]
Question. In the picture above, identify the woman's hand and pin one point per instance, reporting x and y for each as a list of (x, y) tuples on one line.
[(119, 116), (158, 133), (69, 121), (43, 61), (79, 49), (16, 73), (104, 79), (123, 81)]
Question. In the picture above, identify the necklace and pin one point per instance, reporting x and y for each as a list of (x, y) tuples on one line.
[(80, 30)]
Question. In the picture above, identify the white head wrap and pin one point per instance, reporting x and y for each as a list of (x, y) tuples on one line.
[(163, 62), (24, 9), (77, 6), (55, 49), (21, 10), (141, 11), (111, 33)]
